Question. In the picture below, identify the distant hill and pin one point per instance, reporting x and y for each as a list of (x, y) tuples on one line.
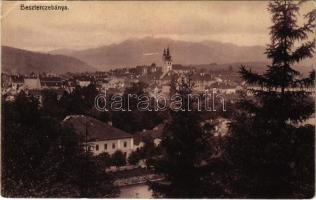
[(23, 61), (62, 51), (255, 66), (147, 50), (258, 67)]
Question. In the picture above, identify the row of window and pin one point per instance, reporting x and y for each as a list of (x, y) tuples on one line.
[(106, 146)]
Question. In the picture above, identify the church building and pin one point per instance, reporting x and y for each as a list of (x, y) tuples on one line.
[(167, 61)]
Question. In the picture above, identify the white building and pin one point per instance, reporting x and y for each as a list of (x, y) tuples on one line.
[(32, 83), (51, 82), (100, 137), (83, 83), (115, 82)]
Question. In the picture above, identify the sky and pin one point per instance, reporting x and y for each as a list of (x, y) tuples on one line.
[(89, 24)]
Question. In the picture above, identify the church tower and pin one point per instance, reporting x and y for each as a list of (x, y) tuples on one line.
[(167, 61)]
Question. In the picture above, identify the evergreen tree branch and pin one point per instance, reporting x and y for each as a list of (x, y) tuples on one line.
[(250, 77), (306, 82), (306, 50)]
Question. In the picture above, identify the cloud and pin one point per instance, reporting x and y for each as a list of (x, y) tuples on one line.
[(91, 24), (150, 54)]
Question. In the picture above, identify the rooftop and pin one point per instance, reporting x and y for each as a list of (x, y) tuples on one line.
[(154, 133), (51, 79), (17, 79), (95, 129)]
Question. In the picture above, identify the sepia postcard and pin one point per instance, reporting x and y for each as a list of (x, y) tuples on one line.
[(158, 99)]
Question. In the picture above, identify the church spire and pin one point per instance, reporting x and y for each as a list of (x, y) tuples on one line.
[(167, 66)]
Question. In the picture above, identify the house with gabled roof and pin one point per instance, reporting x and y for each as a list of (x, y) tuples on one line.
[(99, 136), (51, 82)]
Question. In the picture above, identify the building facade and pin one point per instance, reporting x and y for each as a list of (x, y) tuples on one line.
[(99, 137)]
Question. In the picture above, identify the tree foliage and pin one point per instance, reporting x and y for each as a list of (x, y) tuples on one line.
[(185, 147), (118, 158), (132, 119), (79, 101), (41, 159), (270, 149), (134, 157)]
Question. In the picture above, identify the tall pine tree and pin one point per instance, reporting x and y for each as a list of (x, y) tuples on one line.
[(270, 147), (185, 147)]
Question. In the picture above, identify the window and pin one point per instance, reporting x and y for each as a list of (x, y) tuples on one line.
[(125, 144), (97, 147), (105, 146), (90, 148), (113, 145)]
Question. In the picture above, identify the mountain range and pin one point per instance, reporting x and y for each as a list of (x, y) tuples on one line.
[(149, 50), (133, 52), (22, 61)]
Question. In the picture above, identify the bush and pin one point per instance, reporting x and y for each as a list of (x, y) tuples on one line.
[(118, 158), (103, 160), (134, 158)]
